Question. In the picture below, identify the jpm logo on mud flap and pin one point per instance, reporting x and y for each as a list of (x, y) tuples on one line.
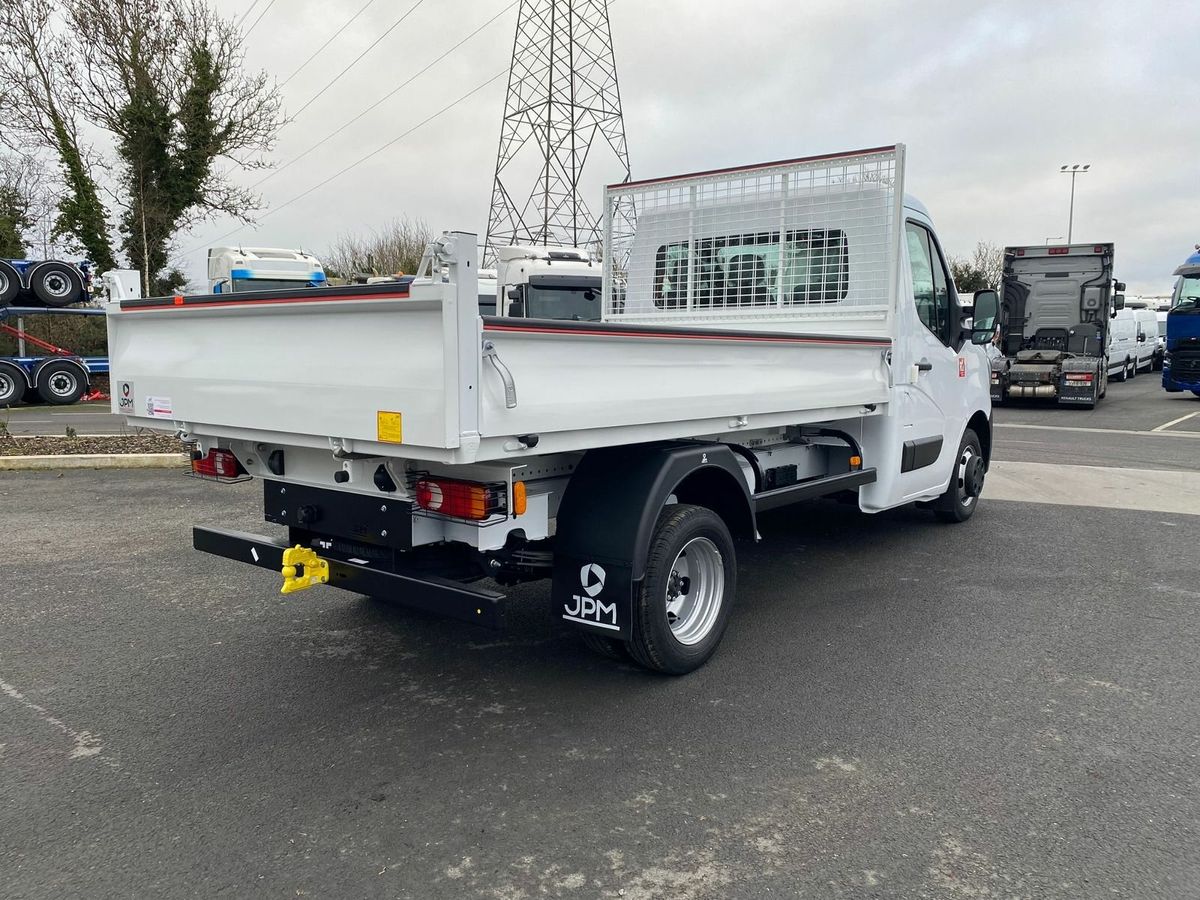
[(125, 397), (586, 607)]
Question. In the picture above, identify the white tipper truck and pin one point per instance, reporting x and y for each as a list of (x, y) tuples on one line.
[(767, 335)]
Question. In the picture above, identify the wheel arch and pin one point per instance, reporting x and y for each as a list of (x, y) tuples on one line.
[(981, 424)]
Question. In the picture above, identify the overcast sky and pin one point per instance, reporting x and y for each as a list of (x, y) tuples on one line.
[(990, 98)]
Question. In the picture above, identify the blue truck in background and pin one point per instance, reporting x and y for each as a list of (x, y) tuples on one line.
[(1181, 365)]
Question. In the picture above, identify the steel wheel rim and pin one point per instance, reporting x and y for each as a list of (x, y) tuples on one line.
[(8, 386), (56, 285), (3, 282), (695, 591), (964, 464), (62, 384)]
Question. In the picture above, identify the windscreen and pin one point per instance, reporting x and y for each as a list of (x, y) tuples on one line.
[(1187, 295), (268, 284), (580, 304)]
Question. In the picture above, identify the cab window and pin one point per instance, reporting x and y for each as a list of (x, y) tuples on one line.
[(931, 283)]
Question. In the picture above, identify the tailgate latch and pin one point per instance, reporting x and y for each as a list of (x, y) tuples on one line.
[(302, 568)]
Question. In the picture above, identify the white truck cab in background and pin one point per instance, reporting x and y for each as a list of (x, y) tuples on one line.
[(540, 282), (235, 269)]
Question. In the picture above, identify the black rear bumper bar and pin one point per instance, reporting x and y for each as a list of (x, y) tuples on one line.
[(435, 595)]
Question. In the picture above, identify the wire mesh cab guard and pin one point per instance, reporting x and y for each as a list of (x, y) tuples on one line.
[(804, 241)]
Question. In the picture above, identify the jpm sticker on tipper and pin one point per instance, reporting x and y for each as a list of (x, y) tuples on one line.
[(389, 427), (586, 606), (125, 397)]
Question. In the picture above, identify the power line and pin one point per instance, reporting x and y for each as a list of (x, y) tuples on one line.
[(358, 162), (381, 100), (266, 9), (327, 43), (242, 18), (356, 59)]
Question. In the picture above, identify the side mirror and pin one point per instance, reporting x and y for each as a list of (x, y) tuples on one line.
[(516, 309), (986, 311), (1118, 286), (1141, 337), (1119, 300)]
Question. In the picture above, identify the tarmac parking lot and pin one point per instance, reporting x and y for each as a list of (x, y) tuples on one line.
[(901, 708)]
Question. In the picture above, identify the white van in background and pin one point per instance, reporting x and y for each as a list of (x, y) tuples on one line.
[(1122, 346), (1149, 356)]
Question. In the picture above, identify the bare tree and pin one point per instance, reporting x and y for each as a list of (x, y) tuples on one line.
[(395, 248), (982, 269)]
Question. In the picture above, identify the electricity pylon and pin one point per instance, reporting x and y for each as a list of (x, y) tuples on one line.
[(561, 117)]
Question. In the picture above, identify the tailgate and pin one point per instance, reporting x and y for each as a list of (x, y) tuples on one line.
[(312, 365)]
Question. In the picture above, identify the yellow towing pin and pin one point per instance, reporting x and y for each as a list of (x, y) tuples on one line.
[(302, 568)]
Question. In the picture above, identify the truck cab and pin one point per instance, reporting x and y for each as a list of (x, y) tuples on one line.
[(1181, 365), (538, 282), (1056, 324), (233, 270)]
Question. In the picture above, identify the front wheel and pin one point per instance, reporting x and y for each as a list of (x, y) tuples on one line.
[(958, 503), (683, 605)]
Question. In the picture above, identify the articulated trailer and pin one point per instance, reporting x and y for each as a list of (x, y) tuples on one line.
[(768, 335), (56, 376)]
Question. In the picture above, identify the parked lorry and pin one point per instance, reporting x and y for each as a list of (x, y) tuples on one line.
[(542, 282), (767, 335), (1055, 325), (1181, 366), (237, 269), (45, 283)]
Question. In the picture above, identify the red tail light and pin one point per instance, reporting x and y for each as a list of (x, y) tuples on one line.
[(217, 464), (1059, 251), (460, 499)]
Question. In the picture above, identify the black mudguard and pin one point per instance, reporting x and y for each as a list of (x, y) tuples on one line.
[(608, 514)]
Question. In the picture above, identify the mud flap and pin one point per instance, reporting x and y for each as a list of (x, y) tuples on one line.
[(607, 519)]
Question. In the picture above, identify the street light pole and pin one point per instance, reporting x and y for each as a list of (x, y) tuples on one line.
[(1073, 170)]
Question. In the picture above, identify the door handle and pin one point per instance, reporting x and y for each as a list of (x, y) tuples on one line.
[(924, 366)]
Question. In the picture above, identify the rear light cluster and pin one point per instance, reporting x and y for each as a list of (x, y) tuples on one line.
[(217, 464), (1059, 251), (461, 499), (468, 499), (1078, 376)]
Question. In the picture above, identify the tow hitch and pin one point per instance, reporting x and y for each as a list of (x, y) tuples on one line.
[(302, 568)]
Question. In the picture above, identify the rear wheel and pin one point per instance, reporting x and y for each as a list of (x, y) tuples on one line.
[(56, 284), (958, 503), (1124, 373), (12, 385), (60, 383), (610, 648), (10, 284), (683, 605)]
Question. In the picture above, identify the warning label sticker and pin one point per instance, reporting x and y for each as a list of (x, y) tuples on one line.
[(389, 427), (159, 407)]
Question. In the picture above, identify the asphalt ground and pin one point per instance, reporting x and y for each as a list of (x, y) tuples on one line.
[(85, 418), (1006, 708)]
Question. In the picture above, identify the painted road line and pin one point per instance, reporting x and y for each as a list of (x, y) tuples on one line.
[(1148, 490), (1176, 421), (1075, 428)]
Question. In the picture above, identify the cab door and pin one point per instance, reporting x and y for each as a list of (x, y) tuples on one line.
[(933, 401)]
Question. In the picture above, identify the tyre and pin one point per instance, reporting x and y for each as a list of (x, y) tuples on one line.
[(60, 383), (10, 284), (684, 603), (1133, 368), (12, 385), (56, 284), (610, 648), (1124, 373), (958, 503)]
